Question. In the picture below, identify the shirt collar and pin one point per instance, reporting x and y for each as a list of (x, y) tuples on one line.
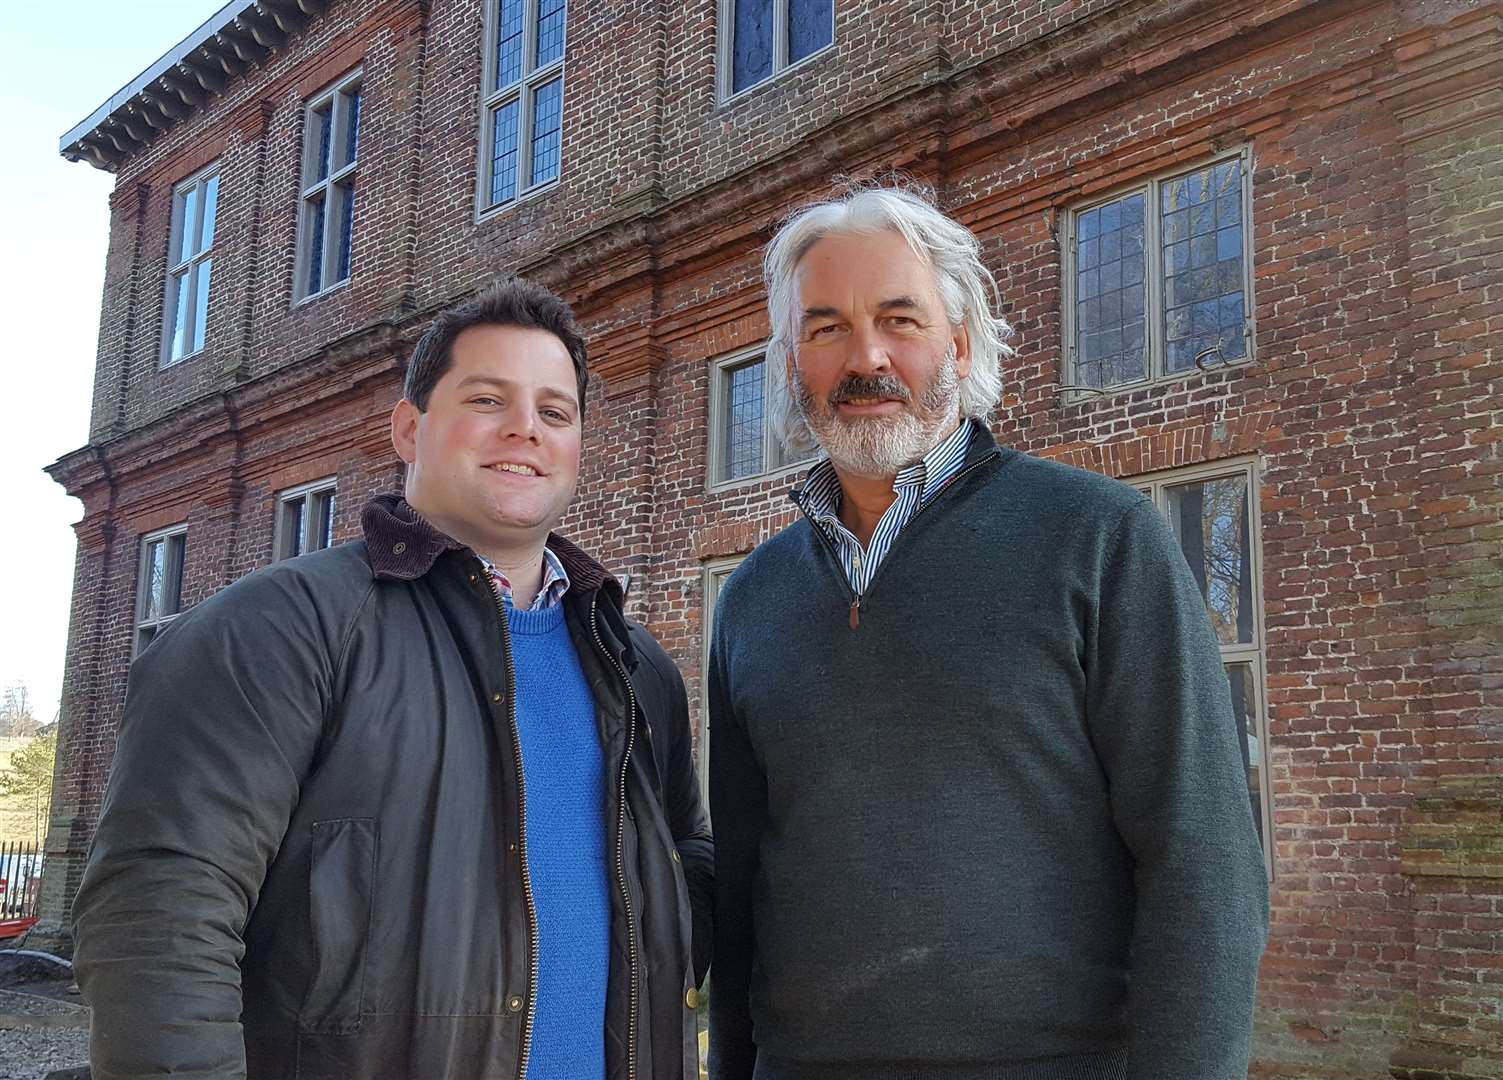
[(555, 581)]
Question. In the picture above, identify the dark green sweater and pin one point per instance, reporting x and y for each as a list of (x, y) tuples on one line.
[(1001, 828)]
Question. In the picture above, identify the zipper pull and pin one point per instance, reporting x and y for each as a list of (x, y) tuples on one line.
[(855, 613)]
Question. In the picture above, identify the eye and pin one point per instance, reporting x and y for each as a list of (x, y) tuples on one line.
[(557, 416), (824, 331), (484, 399)]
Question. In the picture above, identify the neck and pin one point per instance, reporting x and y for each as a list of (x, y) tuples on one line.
[(520, 559), (863, 501)]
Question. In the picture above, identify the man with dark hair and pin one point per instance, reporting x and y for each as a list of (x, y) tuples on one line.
[(420, 805)]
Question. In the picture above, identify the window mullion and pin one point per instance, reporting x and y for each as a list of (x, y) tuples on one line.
[(327, 254), (529, 37), (1153, 270), (780, 18), (524, 138)]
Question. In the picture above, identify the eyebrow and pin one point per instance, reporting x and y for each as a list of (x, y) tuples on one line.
[(506, 384), (897, 303)]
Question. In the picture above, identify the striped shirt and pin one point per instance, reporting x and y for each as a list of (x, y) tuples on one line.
[(555, 582), (914, 485)]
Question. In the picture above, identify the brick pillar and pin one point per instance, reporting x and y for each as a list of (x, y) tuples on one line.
[(1447, 96)]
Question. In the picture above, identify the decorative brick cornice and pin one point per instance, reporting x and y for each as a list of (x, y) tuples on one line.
[(1447, 76)]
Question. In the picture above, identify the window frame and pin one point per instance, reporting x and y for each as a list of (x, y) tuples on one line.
[(713, 574), (524, 90), (725, 49), (176, 562), (1155, 350), (337, 96), (174, 270), (715, 462), (1255, 653), (308, 495)]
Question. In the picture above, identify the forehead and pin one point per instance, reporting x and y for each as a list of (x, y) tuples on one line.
[(515, 354), (863, 267)]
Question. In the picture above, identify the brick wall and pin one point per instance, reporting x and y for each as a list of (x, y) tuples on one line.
[(1371, 407)]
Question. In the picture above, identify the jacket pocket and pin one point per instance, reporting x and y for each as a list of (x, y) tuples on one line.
[(341, 890)]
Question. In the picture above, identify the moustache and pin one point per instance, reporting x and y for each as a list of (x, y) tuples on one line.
[(876, 386)]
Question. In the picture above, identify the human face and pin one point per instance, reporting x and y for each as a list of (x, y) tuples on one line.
[(494, 458), (877, 370)]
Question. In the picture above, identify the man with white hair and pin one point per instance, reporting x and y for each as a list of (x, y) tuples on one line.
[(974, 773)]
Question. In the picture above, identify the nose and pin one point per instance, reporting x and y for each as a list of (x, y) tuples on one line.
[(867, 352), (520, 421)]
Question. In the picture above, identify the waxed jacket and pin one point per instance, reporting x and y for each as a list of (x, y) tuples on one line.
[(309, 860)]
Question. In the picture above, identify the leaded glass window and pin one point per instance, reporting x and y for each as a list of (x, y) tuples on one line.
[(523, 106), (159, 583), (331, 148), (742, 443), (305, 519), (1159, 278), (760, 38)]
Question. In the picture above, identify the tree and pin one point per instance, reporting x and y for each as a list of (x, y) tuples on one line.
[(29, 778), (16, 717)]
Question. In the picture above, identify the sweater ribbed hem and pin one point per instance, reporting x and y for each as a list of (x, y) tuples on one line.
[(1108, 1066)]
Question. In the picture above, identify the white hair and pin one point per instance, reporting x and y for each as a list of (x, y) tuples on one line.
[(966, 288)]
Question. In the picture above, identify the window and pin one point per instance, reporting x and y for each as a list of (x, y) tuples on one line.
[(1212, 512), (761, 38), (159, 586), (522, 111), (190, 259), (1158, 278), (305, 519), (742, 445), (331, 146)]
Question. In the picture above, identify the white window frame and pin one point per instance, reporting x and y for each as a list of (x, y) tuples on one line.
[(525, 90), (1153, 278), (726, 48), (1254, 653), (713, 575), (176, 562), (715, 448), (337, 97), (311, 495), (178, 268)]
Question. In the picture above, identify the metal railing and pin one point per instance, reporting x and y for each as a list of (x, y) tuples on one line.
[(20, 880)]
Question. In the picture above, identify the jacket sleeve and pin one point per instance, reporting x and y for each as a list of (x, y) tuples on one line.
[(738, 803), (683, 807), (222, 715), (1160, 715)]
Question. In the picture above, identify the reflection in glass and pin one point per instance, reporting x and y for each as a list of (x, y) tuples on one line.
[(743, 421), (1211, 520), (315, 211), (326, 521), (504, 152), (294, 529), (180, 313), (547, 125), (811, 26), (324, 118), (509, 44), (188, 211), (1109, 327), (200, 304), (1245, 711), (346, 194), (156, 580), (211, 206), (550, 31), (352, 127), (751, 61), (1204, 273)]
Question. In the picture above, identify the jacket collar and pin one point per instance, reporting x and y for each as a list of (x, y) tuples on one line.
[(402, 546)]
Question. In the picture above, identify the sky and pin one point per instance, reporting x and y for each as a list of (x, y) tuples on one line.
[(61, 61)]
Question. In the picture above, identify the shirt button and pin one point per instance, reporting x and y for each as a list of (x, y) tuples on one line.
[(514, 1003), (399, 547)]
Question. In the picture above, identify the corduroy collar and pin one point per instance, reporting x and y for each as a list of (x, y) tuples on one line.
[(401, 545)]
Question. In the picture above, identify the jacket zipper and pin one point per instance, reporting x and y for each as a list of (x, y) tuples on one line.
[(631, 932), (857, 598), (532, 915)]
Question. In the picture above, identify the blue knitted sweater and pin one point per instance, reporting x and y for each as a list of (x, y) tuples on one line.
[(564, 769)]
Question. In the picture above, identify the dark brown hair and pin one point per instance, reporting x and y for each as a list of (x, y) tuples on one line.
[(509, 302)]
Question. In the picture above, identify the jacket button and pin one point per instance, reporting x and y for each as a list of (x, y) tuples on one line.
[(514, 1004), (691, 999), (675, 856), (496, 697), (399, 547)]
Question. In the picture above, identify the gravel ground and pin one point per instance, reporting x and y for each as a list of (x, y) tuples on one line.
[(30, 1054)]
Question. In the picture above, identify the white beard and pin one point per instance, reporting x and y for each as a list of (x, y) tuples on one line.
[(881, 445)]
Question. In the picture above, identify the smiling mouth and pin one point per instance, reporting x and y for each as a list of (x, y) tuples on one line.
[(509, 467), (867, 401)]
